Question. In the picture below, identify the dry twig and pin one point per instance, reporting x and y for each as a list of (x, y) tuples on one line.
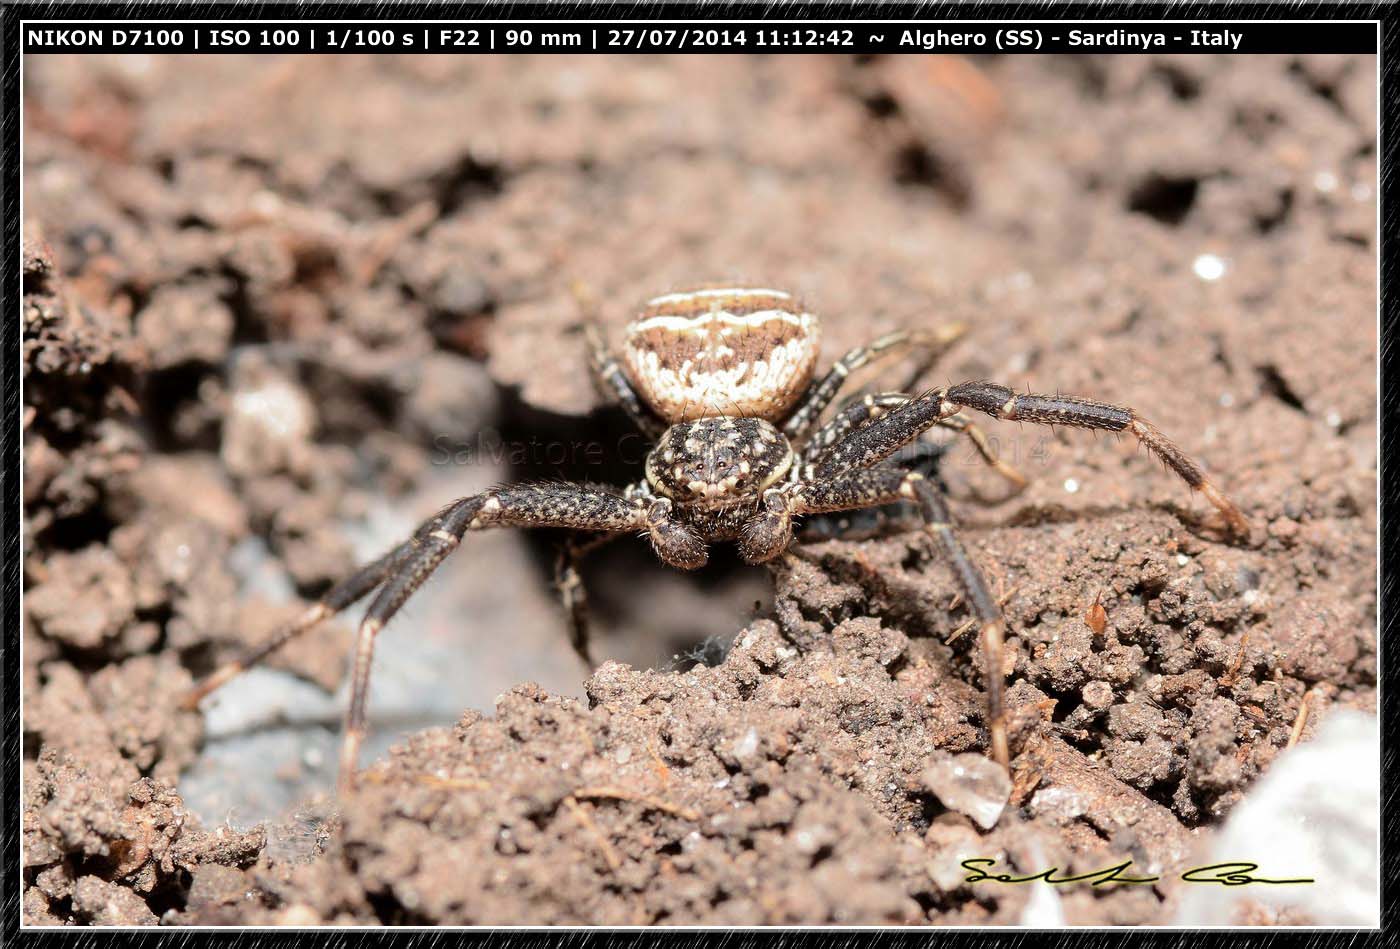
[(608, 792), (587, 822)]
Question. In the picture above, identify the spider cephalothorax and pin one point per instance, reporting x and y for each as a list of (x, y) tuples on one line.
[(722, 381), (714, 462)]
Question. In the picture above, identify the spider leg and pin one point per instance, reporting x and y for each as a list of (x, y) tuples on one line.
[(607, 374), (882, 437), (877, 486), (610, 379), (819, 396), (342, 596), (925, 456), (547, 505), (572, 593), (398, 574), (850, 417), (863, 411), (961, 423), (981, 602)]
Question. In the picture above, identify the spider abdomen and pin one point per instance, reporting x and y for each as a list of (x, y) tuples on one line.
[(734, 351)]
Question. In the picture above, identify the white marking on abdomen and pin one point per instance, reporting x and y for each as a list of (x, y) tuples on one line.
[(723, 292), (696, 321)]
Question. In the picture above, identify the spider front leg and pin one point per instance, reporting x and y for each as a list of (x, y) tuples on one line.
[(401, 572), (766, 536), (862, 411), (884, 436), (819, 396)]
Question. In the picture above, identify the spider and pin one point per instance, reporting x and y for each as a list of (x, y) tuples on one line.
[(722, 382)]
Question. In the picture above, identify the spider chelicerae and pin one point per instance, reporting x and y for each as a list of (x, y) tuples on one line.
[(722, 382)]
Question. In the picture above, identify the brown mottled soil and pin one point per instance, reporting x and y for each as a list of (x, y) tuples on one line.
[(259, 291)]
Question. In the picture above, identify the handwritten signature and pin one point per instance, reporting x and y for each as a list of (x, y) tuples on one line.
[(1226, 874)]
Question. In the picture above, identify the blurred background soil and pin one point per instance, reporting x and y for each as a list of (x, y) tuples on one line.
[(277, 310)]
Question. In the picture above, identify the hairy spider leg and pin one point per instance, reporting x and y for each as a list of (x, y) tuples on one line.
[(400, 573), (961, 423), (873, 487), (882, 437), (867, 408), (568, 582), (992, 628), (340, 597), (609, 377), (819, 396), (550, 505)]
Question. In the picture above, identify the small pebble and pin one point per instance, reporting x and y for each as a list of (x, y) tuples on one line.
[(970, 784), (747, 746), (1043, 909), (1059, 805), (951, 840), (299, 914), (1209, 267)]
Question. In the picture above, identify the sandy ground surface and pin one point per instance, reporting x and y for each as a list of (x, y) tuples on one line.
[(278, 310)]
